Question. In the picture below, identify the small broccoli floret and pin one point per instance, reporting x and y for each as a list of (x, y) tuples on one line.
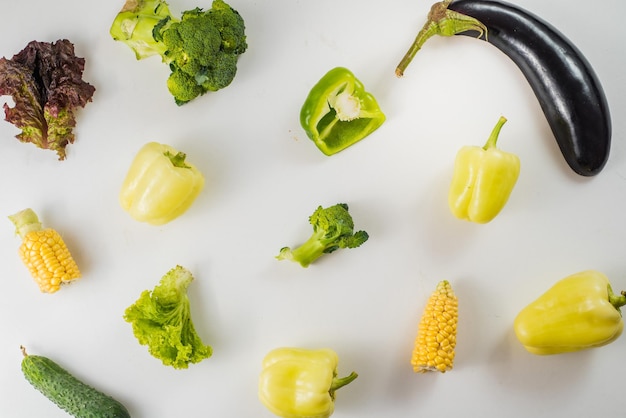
[(204, 45), (231, 27), (183, 87), (222, 73), (161, 320), (333, 228)]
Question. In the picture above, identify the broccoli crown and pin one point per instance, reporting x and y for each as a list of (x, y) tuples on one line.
[(203, 45), (192, 44), (333, 228)]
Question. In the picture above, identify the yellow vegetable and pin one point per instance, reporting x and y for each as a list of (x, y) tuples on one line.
[(483, 180), (160, 184), (436, 337), (577, 313), (301, 383), (43, 252)]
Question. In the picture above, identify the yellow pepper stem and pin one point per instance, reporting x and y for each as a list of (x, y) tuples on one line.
[(177, 160), (493, 138), (617, 300), (444, 22), (339, 382)]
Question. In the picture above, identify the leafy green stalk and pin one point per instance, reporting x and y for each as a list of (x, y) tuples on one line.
[(161, 319)]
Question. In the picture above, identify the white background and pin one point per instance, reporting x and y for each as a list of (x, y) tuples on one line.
[(264, 178)]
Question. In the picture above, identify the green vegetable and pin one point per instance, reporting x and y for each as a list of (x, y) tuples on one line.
[(161, 320), (45, 82), (338, 112), (333, 228), (201, 48), (67, 392)]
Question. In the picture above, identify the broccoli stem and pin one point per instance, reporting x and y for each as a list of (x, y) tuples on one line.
[(308, 252)]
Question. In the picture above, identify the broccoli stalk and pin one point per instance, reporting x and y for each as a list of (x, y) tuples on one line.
[(161, 319), (201, 48), (333, 228)]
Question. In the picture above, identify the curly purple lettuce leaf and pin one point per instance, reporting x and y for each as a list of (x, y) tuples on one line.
[(45, 82)]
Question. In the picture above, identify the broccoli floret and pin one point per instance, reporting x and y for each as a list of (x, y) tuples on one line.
[(183, 87), (333, 228), (204, 45), (221, 74), (192, 44), (231, 27), (161, 320)]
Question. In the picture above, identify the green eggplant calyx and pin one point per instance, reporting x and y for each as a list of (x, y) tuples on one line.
[(444, 22), (616, 300), (493, 138), (339, 382)]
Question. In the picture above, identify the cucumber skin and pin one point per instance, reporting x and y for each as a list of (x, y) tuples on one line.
[(69, 393)]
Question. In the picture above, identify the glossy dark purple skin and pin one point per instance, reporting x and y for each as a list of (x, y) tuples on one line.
[(564, 82)]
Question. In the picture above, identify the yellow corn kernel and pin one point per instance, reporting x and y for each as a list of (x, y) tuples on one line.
[(436, 336), (44, 253)]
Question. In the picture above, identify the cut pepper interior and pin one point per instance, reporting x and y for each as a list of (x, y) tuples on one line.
[(338, 112)]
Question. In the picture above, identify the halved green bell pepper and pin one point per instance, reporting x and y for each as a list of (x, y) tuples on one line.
[(338, 112)]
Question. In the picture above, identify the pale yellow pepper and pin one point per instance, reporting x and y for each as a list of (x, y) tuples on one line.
[(301, 383), (160, 184), (483, 180), (578, 312)]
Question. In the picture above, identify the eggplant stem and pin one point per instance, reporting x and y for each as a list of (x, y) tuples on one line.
[(444, 22)]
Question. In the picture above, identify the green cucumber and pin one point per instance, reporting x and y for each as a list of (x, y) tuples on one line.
[(70, 394)]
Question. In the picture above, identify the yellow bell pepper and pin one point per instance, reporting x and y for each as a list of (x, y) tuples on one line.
[(483, 180), (160, 184), (578, 312), (301, 383)]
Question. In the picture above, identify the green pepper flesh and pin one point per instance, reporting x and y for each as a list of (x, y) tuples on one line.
[(338, 112)]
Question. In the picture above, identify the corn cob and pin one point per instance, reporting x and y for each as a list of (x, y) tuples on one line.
[(436, 336), (43, 252)]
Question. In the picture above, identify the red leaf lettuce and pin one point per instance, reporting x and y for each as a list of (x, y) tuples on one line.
[(45, 82)]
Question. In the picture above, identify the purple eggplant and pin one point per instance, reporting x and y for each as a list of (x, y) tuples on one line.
[(565, 84)]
